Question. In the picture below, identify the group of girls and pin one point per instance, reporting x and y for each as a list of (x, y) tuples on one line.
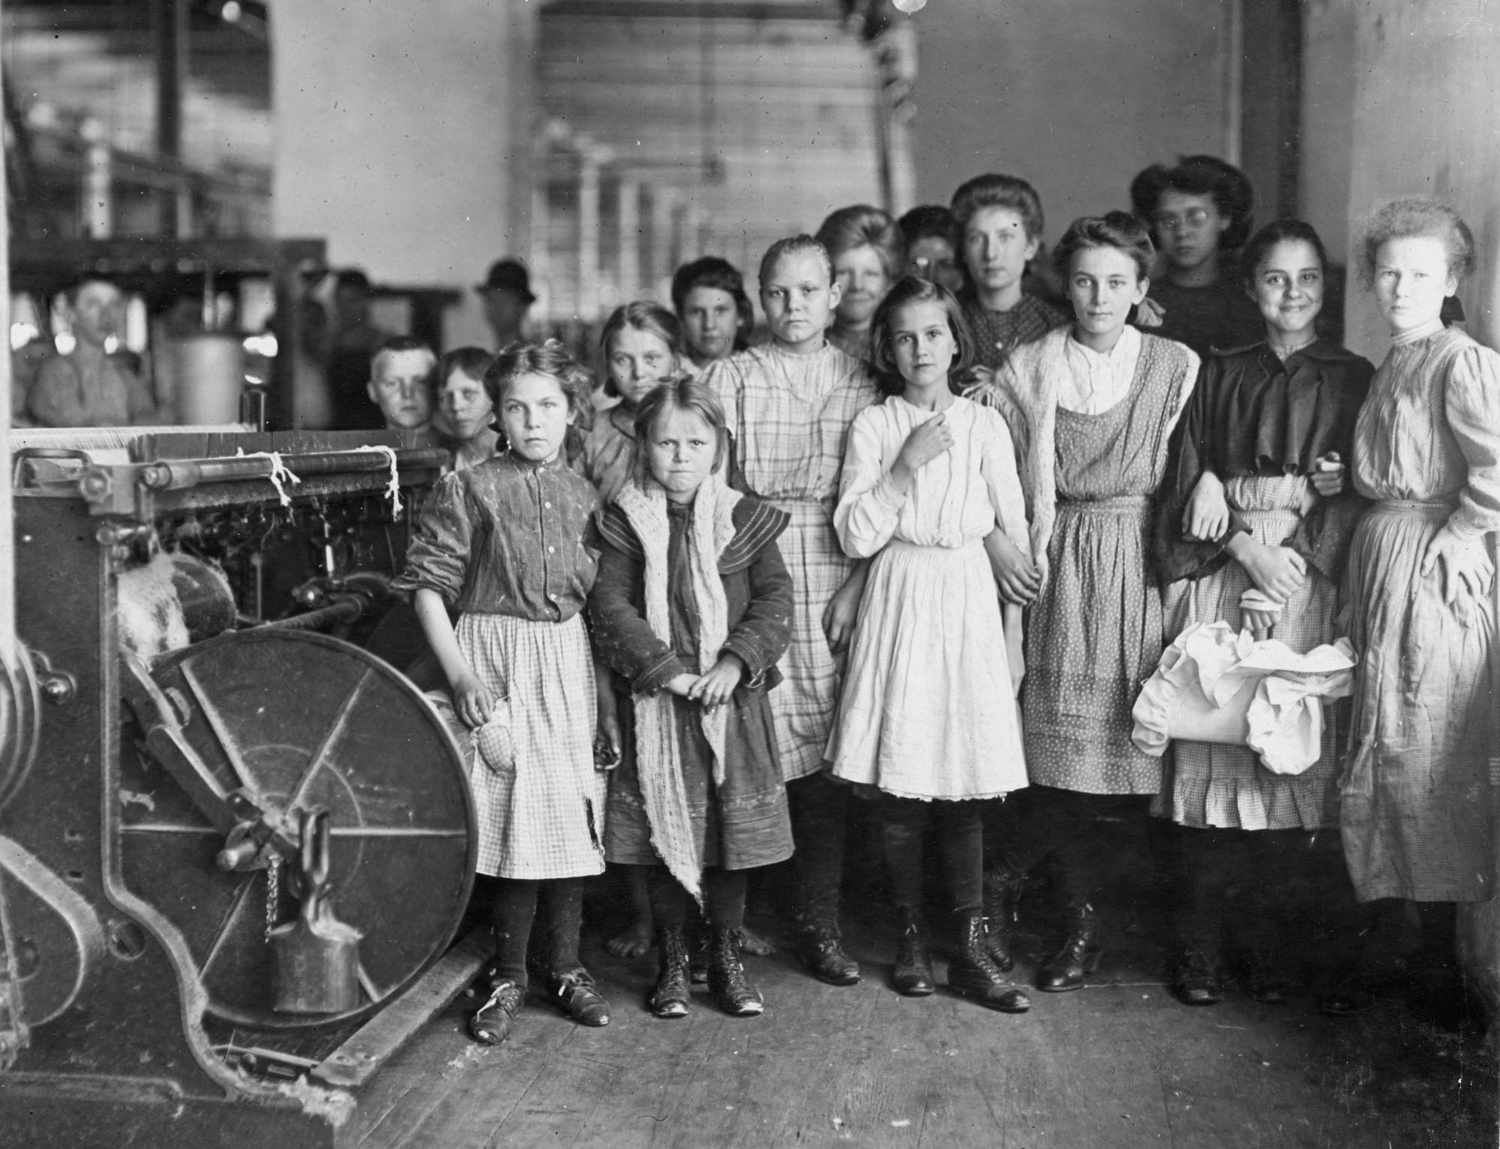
[(805, 573)]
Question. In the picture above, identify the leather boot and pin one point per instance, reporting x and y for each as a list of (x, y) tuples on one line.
[(1198, 981), (821, 948), (912, 975), (1080, 955), (1002, 888), (726, 976), (972, 972), (672, 994)]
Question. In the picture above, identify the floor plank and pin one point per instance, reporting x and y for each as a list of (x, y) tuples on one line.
[(1118, 1064)]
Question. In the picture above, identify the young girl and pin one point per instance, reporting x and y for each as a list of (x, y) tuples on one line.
[(1417, 792), (464, 407), (641, 345), (1000, 227), (503, 543), (789, 405), (1198, 213), (932, 242), (1262, 444), (1093, 405), (924, 712), (709, 298), (868, 252), (691, 609)]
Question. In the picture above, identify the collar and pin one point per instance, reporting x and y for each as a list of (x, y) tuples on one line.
[(1426, 331)]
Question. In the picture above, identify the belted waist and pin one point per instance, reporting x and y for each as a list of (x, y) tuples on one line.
[(1112, 505), (1427, 508)]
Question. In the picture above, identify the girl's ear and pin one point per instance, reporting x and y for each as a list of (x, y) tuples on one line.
[(835, 294), (1143, 285)]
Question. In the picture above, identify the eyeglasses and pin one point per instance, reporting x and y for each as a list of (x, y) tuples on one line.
[(1194, 217)]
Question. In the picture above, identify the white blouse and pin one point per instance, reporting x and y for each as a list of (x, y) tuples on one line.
[(955, 499)]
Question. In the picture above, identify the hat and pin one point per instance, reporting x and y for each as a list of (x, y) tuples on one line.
[(508, 275)]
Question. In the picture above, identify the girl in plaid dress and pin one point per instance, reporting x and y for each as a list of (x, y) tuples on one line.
[(789, 406), (503, 542), (1254, 530)]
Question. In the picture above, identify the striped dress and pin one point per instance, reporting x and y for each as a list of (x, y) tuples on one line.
[(790, 417), (1418, 789)]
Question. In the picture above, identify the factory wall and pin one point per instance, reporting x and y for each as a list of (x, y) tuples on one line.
[(1074, 95), (404, 137)]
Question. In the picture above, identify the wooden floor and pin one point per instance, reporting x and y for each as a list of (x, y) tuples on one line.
[(1117, 1065)]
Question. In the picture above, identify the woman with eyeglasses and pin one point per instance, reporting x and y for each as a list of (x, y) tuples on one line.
[(1199, 213)]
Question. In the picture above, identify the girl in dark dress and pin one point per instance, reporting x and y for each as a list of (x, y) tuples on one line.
[(691, 610), (1254, 531)]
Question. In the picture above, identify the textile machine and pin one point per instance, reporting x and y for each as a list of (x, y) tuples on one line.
[(234, 848)]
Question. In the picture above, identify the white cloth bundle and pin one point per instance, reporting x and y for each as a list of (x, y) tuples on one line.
[(1216, 685)]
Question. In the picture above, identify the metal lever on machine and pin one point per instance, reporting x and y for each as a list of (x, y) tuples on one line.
[(249, 824), (316, 956)]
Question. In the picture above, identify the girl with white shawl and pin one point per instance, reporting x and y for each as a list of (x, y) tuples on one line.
[(691, 610)]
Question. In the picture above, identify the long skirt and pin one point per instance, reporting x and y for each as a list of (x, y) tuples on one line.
[(1212, 784), (804, 702), (737, 826), (1418, 818), (542, 814), (928, 709), (1093, 636)]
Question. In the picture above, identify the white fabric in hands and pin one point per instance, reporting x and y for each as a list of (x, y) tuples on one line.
[(1217, 685)]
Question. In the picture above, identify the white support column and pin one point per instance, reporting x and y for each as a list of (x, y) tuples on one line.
[(96, 201), (630, 236), (588, 231), (663, 255)]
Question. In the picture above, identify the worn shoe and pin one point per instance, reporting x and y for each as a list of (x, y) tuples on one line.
[(726, 977), (912, 974), (575, 995), (973, 973), (673, 994), (492, 1020), (1080, 955), (822, 951), (1198, 981), (1002, 889), (1348, 996)]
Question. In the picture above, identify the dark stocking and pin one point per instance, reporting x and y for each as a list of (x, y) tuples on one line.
[(819, 809), (513, 908), (903, 825), (724, 900), (563, 901), (961, 839)]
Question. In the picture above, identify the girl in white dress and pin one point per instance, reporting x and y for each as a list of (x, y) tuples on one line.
[(927, 713)]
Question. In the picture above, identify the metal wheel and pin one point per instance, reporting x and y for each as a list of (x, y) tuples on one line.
[(304, 721)]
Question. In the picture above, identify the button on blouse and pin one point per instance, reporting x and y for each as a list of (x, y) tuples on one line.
[(506, 537)]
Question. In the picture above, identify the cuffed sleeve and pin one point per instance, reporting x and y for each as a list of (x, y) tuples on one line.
[(870, 503), (623, 639), (1472, 403), (1002, 479), (438, 557)]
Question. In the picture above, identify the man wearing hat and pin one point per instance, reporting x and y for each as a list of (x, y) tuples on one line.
[(506, 293)]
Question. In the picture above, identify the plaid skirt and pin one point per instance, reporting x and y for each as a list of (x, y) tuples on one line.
[(804, 703), (542, 814)]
